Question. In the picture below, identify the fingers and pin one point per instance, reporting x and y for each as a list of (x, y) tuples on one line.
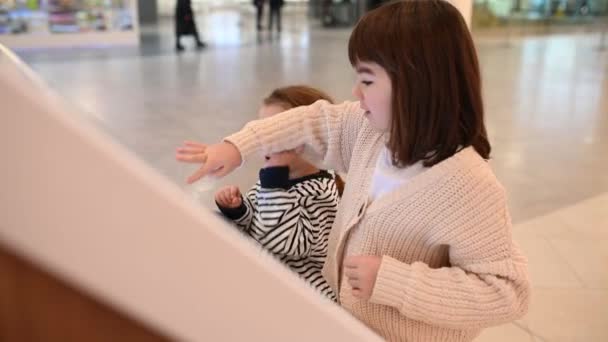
[(353, 278), (191, 147), (222, 202), (222, 199), (190, 143), (354, 283), (218, 196), (351, 273), (192, 158), (225, 199), (218, 160), (233, 196), (219, 172), (190, 150), (234, 191), (203, 171), (351, 262)]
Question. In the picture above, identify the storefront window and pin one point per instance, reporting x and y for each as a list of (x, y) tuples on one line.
[(19, 17), (493, 12)]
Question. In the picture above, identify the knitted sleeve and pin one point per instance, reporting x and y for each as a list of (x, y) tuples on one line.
[(329, 131), (486, 282)]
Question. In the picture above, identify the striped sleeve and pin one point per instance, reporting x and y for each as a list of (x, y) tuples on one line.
[(280, 224), (287, 222)]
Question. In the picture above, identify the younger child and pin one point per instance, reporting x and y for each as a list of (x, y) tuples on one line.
[(292, 208)]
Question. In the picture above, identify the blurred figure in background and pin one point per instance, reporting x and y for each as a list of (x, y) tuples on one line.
[(185, 24), (259, 5), (275, 12)]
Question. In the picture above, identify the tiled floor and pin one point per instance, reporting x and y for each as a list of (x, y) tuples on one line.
[(546, 101), (568, 259)]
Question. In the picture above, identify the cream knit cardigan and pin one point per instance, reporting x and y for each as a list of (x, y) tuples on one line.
[(449, 265)]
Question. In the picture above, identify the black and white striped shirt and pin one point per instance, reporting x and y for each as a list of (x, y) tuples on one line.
[(292, 219)]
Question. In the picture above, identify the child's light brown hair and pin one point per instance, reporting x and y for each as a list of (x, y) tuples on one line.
[(296, 96)]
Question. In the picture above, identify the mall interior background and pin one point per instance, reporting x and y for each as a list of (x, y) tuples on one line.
[(545, 76)]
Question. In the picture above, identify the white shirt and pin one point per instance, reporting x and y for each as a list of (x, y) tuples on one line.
[(387, 177)]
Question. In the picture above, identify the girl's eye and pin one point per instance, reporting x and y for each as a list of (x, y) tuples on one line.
[(367, 83)]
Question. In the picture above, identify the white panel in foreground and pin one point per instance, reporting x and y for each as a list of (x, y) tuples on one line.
[(78, 204)]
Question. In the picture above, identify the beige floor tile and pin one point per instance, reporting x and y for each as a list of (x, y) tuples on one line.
[(574, 339), (569, 315), (588, 219), (588, 258), (550, 225), (547, 268), (504, 333)]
